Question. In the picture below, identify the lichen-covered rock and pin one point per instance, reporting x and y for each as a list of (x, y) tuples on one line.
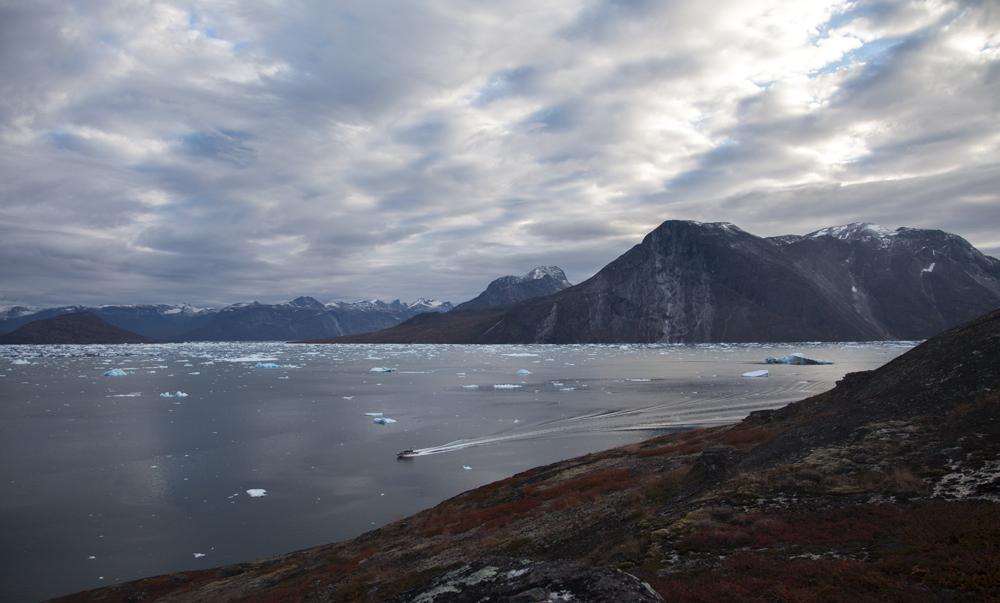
[(506, 580)]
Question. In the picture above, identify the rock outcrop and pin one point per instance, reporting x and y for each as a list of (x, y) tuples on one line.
[(542, 281)]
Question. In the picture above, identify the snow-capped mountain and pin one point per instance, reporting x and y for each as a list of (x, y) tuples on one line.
[(302, 318), (544, 280), (693, 282)]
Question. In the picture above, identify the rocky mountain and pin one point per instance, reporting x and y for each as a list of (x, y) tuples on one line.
[(161, 321), (689, 282), (76, 328), (885, 488), (544, 280), (306, 318), (303, 317)]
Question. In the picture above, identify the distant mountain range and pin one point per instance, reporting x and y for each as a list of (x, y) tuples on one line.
[(77, 328), (301, 318), (692, 282)]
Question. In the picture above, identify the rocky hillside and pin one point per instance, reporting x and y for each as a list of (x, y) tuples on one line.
[(886, 488), (78, 328), (689, 282), (542, 281)]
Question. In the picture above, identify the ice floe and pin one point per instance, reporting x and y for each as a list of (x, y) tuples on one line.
[(796, 358), (382, 369), (523, 372), (177, 394), (116, 373), (257, 492), (471, 386), (267, 365), (20, 361), (506, 386), (763, 373), (466, 467), (383, 420), (373, 414), (196, 555)]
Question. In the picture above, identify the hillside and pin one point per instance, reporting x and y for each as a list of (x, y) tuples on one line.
[(690, 282), (886, 488), (76, 328)]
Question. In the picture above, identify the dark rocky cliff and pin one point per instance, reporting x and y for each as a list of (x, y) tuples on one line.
[(689, 282)]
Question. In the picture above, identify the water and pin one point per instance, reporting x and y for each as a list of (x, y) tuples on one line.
[(106, 481)]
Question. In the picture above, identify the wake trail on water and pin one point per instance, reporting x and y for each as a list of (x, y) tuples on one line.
[(693, 412)]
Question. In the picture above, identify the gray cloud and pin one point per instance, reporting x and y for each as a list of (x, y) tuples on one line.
[(213, 152)]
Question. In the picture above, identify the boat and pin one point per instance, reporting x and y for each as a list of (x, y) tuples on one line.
[(409, 453)]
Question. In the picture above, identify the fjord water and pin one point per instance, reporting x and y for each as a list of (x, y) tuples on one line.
[(105, 481)]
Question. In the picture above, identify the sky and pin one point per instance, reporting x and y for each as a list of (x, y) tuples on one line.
[(220, 151)]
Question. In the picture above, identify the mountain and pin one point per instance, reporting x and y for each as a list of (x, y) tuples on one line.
[(303, 317), (885, 488), (690, 282), (542, 281), (76, 328), (306, 318), (161, 321)]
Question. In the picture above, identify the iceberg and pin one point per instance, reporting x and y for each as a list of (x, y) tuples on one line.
[(116, 373), (179, 394), (523, 372), (257, 492), (20, 361), (267, 365), (471, 386), (382, 369), (795, 359), (467, 468), (756, 374), (505, 386), (383, 421), (373, 414)]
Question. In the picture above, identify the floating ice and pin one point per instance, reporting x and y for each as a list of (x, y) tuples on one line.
[(471, 386), (467, 468), (116, 373), (795, 359), (382, 369), (257, 492), (348, 397), (20, 361), (178, 394), (267, 365), (566, 389), (523, 372), (383, 421), (373, 414), (756, 374), (196, 555), (521, 355), (505, 386)]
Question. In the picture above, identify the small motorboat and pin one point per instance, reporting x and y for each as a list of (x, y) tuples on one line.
[(409, 453)]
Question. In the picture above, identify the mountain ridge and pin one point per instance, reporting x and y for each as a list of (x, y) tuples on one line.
[(693, 282)]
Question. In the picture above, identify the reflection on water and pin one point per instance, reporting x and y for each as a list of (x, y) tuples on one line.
[(106, 480)]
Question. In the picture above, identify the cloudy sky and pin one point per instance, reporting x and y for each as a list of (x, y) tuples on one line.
[(217, 151)]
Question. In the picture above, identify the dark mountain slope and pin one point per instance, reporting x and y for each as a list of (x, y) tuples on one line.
[(689, 282), (886, 488), (544, 280), (77, 328)]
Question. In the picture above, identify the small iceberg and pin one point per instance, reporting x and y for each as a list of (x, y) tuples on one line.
[(471, 386), (763, 373), (506, 386), (382, 369), (466, 467), (197, 555), (523, 372), (257, 492), (116, 373), (267, 365), (178, 394), (373, 414), (20, 361), (795, 359), (383, 421)]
